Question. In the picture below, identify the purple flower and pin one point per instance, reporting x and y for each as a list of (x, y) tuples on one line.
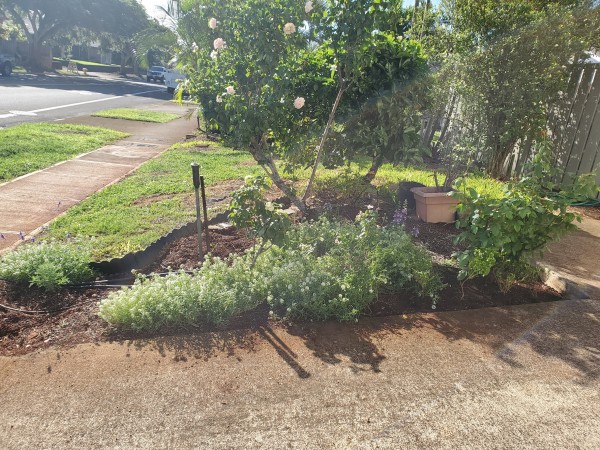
[(400, 216), (32, 239)]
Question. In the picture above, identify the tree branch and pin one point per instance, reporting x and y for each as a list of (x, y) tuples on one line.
[(319, 156)]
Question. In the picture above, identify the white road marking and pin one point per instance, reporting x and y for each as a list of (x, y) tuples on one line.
[(34, 112), (93, 101), (23, 113)]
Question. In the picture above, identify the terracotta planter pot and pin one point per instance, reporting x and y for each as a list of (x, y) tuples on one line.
[(434, 207)]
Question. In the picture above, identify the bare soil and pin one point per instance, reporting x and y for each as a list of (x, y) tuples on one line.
[(593, 212), (69, 316)]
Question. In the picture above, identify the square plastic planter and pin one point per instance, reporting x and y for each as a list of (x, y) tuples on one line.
[(434, 207)]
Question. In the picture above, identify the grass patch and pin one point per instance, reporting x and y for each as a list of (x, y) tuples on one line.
[(85, 63), (130, 215), (29, 147), (137, 114), (389, 174)]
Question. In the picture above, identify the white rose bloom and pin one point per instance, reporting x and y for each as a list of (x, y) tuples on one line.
[(219, 43), (212, 23), (299, 102), (230, 90), (308, 7), (289, 28), (219, 99)]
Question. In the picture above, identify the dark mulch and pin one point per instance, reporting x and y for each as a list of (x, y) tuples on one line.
[(593, 212), (72, 318), (72, 313), (457, 296)]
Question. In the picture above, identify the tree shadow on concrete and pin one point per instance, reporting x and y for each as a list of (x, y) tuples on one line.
[(566, 331)]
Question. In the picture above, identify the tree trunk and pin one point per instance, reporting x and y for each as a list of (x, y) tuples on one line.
[(269, 166), (35, 55), (124, 58), (375, 165)]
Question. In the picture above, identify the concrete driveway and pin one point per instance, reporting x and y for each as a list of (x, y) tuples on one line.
[(516, 377)]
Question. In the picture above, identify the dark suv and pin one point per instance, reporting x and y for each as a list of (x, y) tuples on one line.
[(156, 73)]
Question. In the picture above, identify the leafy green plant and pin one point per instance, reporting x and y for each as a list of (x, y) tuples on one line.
[(501, 233), (48, 265), (264, 219)]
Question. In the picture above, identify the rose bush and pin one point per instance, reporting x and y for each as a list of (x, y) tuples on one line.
[(291, 66)]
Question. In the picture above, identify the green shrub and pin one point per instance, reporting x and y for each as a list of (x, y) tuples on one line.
[(332, 270), (502, 233), (47, 265), (217, 291), (263, 219)]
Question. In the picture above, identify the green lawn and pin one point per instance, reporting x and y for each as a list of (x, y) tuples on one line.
[(137, 114), (29, 147), (158, 197), (86, 63), (389, 174)]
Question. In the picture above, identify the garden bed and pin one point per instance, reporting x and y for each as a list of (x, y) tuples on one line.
[(72, 313)]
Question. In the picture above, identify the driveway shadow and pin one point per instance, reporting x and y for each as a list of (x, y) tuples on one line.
[(565, 331)]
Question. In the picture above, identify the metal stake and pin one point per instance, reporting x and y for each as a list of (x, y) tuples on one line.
[(206, 237), (196, 179)]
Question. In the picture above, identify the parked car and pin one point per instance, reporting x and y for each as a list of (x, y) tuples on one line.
[(156, 73), (172, 79), (6, 64)]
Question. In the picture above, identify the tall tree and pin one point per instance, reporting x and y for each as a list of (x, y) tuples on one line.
[(42, 20)]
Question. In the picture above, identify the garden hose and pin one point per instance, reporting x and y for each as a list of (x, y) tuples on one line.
[(590, 202)]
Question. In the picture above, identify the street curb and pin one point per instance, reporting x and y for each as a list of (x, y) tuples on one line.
[(569, 289)]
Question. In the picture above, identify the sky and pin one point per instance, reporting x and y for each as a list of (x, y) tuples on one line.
[(151, 5)]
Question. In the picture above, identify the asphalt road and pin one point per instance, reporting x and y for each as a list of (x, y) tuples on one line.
[(29, 98)]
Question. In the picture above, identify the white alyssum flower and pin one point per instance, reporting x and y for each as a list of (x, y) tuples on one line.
[(230, 90), (308, 7), (299, 102), (214, 54), (194, 47), (212, 23), (289, 28), (219, 43), (219, 99)]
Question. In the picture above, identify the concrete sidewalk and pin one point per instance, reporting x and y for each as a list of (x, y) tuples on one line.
[(31, 201), (573, 262), (515, 377)]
